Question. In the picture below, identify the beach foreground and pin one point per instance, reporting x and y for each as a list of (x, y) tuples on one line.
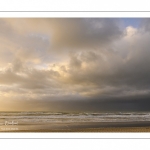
[(82, 127), (113, 129)]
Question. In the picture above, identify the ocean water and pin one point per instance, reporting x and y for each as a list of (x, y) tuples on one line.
[(26, 121)]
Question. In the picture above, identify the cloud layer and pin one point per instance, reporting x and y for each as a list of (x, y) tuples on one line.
[(74, 64)]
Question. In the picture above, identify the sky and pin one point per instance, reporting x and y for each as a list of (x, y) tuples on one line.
[(74, 64)]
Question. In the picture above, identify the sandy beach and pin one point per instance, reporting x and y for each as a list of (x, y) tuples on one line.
[(83, 127), (113, 129)]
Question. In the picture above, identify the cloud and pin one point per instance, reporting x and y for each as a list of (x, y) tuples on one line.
[(83, 33), (81, 64)]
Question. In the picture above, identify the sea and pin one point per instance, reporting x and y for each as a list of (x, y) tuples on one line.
[(53, 121)]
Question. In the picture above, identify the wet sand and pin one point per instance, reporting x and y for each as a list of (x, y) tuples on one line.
[(91, 130), (84, 127), (114, 129)]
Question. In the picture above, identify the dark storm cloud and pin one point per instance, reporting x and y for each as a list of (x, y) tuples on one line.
[(84, 33)]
